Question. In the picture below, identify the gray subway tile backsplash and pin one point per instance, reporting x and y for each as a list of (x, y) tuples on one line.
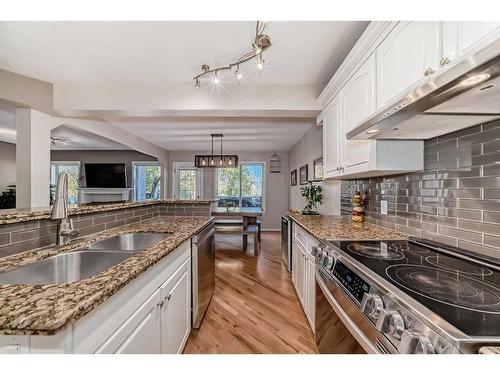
[(455, 200)]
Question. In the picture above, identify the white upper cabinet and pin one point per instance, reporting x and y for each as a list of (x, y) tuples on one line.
[(331, 145), (358, 102), (460, 37), (409, 54)]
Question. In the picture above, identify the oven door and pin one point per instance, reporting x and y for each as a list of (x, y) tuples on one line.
[(340, 327)]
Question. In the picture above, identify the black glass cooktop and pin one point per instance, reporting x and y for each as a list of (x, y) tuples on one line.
[(462, 292)]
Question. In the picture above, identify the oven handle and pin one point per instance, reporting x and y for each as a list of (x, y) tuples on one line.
[(351, 326)]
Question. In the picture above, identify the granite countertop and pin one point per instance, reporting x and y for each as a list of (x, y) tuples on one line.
[(18, 215), (329, 227), (46, 309)]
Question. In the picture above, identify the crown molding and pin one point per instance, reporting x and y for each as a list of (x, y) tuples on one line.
[(364, 47)]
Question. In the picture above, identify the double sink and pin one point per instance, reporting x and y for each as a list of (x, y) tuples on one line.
[(82, 263)]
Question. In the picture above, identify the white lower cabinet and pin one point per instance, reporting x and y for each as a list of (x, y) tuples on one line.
[(303, 273), (139, 334), (176, 310)]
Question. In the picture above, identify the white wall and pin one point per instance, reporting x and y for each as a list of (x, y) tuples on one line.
[(109, 156), (305, 151), (7, 165), (277, 192)]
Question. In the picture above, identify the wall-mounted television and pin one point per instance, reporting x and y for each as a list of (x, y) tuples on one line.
[(99, 175)]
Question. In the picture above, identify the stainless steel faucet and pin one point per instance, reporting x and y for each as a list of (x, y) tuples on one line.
[(59, 212)]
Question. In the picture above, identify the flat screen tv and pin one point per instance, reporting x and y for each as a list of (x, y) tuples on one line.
[(105, 175)]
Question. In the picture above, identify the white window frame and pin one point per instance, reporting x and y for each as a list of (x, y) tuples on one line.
[(139, 163), (264, 181), (66, 163), (176, 166)]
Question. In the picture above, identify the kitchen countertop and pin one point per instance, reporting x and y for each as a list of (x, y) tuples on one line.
[(46, 309), (329, 227), (18, 215)]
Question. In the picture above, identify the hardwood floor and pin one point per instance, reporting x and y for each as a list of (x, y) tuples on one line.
[(254, 308)]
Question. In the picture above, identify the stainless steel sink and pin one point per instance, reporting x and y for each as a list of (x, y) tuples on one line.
[(64, 268), (129, 242), (83, 263)]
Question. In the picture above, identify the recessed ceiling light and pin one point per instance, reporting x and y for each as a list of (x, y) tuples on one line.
[(373, 131), (474, 80)]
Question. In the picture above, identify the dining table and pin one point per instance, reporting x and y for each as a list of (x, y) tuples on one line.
[(248, 215)]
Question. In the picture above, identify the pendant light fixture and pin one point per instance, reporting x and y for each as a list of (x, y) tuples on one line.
[(275, 163), (216, 161), (261, 43)]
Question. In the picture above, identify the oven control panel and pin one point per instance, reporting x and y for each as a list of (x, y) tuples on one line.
[(354, 284)]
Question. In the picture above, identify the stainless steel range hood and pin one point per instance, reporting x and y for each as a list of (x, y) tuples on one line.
[(466, 94)]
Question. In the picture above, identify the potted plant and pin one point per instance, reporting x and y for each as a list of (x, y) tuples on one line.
[(314, 196)]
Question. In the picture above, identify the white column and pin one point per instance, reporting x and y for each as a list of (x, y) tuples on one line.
[(32, 158)]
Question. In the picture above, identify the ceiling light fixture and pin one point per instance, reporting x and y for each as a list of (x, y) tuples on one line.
[(212, 160), (58, 140), (261, 43)]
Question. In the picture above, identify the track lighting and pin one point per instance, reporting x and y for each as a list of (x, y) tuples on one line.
[(237, 74), (259, 45), (260, 64)]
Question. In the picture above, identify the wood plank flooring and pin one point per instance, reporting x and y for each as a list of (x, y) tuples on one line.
[(254, 308)]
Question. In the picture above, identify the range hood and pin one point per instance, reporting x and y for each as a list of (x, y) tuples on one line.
[(466, 94)]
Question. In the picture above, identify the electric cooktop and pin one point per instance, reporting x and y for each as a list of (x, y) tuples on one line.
[(464, 292)]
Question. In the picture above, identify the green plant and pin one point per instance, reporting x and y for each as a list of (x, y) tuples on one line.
[(8, 198), (313, 195)]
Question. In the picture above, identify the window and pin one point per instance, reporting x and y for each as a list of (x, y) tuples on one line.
[(242, 186), (72, 169), (147, 180), (187, 181)]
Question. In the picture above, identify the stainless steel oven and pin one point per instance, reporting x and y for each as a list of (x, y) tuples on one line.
[(340, 327)]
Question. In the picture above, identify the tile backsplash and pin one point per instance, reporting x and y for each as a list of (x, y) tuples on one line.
[(455, 200), (18, 237)]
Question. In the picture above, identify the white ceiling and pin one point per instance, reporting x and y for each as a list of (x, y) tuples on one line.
[(240, 134), (77, 139), (170, 51)]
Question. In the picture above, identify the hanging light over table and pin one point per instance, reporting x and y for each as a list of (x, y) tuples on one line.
[(216, 161)]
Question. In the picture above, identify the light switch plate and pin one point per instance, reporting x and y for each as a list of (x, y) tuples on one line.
[(383, 207)]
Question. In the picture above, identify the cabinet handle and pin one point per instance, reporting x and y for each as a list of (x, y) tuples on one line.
[(167, 298), (428, 72), (444, 61), (160, 305)]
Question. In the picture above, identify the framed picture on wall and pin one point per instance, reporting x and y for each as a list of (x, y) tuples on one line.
[(318, 169), (303, 174), (293, 177)]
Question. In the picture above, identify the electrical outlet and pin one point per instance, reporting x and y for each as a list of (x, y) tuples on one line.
[(383, 207)]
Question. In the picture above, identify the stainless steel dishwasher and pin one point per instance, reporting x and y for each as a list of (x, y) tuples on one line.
[(203, 269)]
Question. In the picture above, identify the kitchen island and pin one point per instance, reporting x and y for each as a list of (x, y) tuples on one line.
[(72, 318)]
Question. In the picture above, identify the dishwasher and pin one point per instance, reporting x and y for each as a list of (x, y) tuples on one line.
[(203, 272)]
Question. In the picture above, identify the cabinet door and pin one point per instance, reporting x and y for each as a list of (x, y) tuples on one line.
[(459, 37), (176, 310), (331, 128), (310, 287), (404, 56), (295, 257), (140, 333), (358, 102), (301, 275)]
